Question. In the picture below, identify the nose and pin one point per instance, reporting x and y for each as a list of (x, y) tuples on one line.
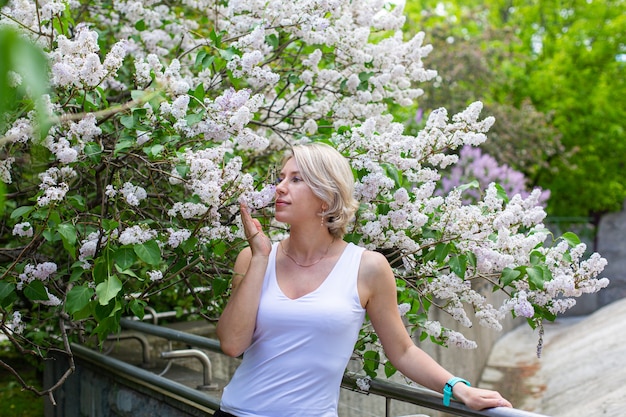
[(280, 187)]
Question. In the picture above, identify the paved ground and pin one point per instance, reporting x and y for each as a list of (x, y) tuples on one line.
[(581, 372)]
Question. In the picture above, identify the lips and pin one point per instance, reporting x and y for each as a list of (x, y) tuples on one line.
[(281, 203)]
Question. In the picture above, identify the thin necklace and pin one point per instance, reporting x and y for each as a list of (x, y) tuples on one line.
[(282, 248)]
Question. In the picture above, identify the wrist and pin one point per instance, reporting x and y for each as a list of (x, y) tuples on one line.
[(448, 388)]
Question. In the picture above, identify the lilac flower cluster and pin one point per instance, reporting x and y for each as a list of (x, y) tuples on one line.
[(474, 165)]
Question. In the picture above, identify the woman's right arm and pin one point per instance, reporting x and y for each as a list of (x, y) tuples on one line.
[(237, 322)]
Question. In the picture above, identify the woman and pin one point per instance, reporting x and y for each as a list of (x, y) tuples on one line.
[(297, 305)]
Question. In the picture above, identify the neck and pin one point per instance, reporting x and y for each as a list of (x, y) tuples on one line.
[(307, 252)]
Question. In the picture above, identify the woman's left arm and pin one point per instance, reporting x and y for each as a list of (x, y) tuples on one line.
[(377, 288)]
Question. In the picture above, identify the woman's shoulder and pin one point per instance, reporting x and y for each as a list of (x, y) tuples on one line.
[(373, 263)]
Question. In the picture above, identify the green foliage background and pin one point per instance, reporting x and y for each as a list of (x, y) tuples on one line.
[(554, 75)]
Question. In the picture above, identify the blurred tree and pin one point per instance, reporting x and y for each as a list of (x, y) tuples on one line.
[(553, 76)]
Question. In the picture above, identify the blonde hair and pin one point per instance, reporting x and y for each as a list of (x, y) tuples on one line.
[(330, 177)]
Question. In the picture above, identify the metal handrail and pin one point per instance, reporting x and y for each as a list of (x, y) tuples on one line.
[(143, 377), (392, 391), (207, 368), (427, 398)]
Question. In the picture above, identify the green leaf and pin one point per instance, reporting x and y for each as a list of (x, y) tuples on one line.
[(108, 289), (7, 293), (36, 291), (107, 326), (68, 236), (194, 118), (502, 193), (472, 184), (207, 61), (272, 40), (535, 277), (441, 251), (23, 211), (390, 370), (537, 258), (229, 53), (109, 225), (124, 257), (100, 270), (571, 238), (128, 272), (458, 265), (199, 57), (128, 121), (77, 201), (20, 55), (371, 360), (93, 151), (78, 298), (220, 285), (509, 275), (149, 252), (101, 312), (123, 145), (77, 272), (86, 312), (137, 307), (2, 197), (191, 244)]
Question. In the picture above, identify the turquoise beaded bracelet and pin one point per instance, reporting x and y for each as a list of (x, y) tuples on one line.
[(447, 389)]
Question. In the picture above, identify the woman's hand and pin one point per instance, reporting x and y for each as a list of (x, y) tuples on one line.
[(259, 243), (478, 398)]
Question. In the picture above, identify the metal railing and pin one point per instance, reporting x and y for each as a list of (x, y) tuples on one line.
[(389, 390)]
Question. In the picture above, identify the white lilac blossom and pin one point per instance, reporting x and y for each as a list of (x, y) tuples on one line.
[(76, 63), (136, 235), (110, 191), (86, 130), (364, 383), (23, 230), (16, 325), (457, 339), (32, 272), (176, 237), (62, 149), (432, 328), (404, 308), (5, 170), (133, 193), (54, 184), (90, 244), (188, 210), (259, 199), (52, 300), (155, 275), (21, 131)]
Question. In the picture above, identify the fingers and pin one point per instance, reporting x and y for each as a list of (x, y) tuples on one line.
[(249, 225), (253, 236), (481, 399), (503, 403), (252, 228)]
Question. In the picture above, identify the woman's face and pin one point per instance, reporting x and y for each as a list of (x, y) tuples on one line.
[(295, 201)]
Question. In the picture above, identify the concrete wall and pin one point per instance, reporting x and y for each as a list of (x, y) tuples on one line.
[(612, 246)]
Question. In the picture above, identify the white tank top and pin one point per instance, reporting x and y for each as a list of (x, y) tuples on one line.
[(300, 348)]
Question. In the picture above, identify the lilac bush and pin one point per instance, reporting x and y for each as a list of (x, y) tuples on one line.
[(123, 181), (474, 165)]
